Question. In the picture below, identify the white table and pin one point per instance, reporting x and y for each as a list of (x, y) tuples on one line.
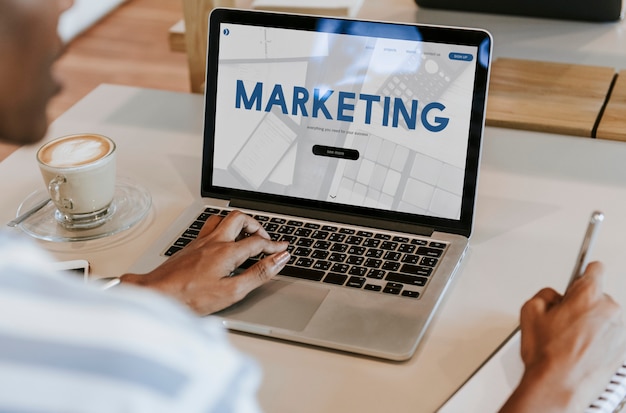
[(535, 194)]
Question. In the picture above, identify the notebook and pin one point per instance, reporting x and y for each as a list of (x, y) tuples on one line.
[(492, 384), (359, 143), (599, 10)]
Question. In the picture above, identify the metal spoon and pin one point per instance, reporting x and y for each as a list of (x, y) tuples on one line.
[(28, 213)]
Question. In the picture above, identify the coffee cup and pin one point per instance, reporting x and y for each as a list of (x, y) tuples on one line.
[(79, 172)]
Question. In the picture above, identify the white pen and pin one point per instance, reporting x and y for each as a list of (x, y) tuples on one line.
[(590, 236)]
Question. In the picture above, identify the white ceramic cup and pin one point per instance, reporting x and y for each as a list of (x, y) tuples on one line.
[(79, 172)]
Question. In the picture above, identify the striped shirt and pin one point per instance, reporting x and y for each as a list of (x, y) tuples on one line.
[(69, 347)]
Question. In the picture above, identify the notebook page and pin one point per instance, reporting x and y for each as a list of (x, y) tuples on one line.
[(492, 384)]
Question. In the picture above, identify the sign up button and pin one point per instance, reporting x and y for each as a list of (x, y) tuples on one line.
[(466, 57)]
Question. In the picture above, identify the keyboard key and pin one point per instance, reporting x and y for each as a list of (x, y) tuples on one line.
[(336, 237), (337, 257), (339, 247), (294, 223), (329, 228), (191, 233), (412, 259), (406, 279), (376, 274), (182, 242), (392, 256), (341, 268), (312, 225), (172, 250), (303, 232), (373, 263), (374, 253), (391, 266), (317, 234), (197, 225), (286, 229), (371, 243), (439, 245), (322, 245), (354, 250), (289, 238), (428, 261), (333, 278), (322, 265), (392, 288), (429, 252), (278, 220), (416, 270), (302, 251), (382, 236), (355, 282), (270, 227), (303, 262), (354, 240), (402, 240), (347, 231), (412, 294), (304, 273), (356, 270), (320, 254), (203, 216), (372, 287), (365, 234), (419, 242), (389, 245), (355, 260), (407, 248), (305, 242)]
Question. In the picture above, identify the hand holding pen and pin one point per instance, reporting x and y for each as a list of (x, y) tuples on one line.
[(571, 344)]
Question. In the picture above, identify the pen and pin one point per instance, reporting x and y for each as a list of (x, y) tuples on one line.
[(590, 236)]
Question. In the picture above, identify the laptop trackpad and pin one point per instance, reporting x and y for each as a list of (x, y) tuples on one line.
[(279, 304)]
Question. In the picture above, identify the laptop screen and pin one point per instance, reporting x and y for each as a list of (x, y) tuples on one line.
[(342, 114)]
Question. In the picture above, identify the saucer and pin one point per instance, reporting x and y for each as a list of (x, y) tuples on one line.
[(131, 204)]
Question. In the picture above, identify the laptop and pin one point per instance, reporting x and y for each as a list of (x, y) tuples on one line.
[(597, 11), (359, 143)]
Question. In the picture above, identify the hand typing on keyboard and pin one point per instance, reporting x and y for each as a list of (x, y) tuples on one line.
[(200, 275), (572, 345)]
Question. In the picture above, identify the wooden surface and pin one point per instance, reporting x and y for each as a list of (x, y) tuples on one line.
[(196, 16), (547, 97), (128, 47), (613, 122)]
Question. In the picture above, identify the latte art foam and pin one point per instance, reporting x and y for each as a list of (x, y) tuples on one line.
[(75, 151)]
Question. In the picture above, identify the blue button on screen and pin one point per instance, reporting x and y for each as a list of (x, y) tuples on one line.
[(466, 57)]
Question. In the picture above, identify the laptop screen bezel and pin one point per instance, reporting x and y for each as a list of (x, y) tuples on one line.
[(451, 35)]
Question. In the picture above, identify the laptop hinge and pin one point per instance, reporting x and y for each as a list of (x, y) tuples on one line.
[(332, 216)]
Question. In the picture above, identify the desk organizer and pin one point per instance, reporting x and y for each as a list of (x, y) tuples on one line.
[(547, 97)]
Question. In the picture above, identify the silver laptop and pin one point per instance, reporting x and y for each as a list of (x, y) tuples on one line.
[(359, 143)]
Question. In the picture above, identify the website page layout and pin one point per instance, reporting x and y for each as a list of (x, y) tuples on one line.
[(375, 122)]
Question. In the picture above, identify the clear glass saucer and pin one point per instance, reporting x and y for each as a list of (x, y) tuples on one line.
[(131, 204)]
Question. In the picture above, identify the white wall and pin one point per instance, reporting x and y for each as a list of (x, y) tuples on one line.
[(82, 15)]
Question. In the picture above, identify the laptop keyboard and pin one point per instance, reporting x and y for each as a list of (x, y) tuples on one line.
[(341, 255)]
